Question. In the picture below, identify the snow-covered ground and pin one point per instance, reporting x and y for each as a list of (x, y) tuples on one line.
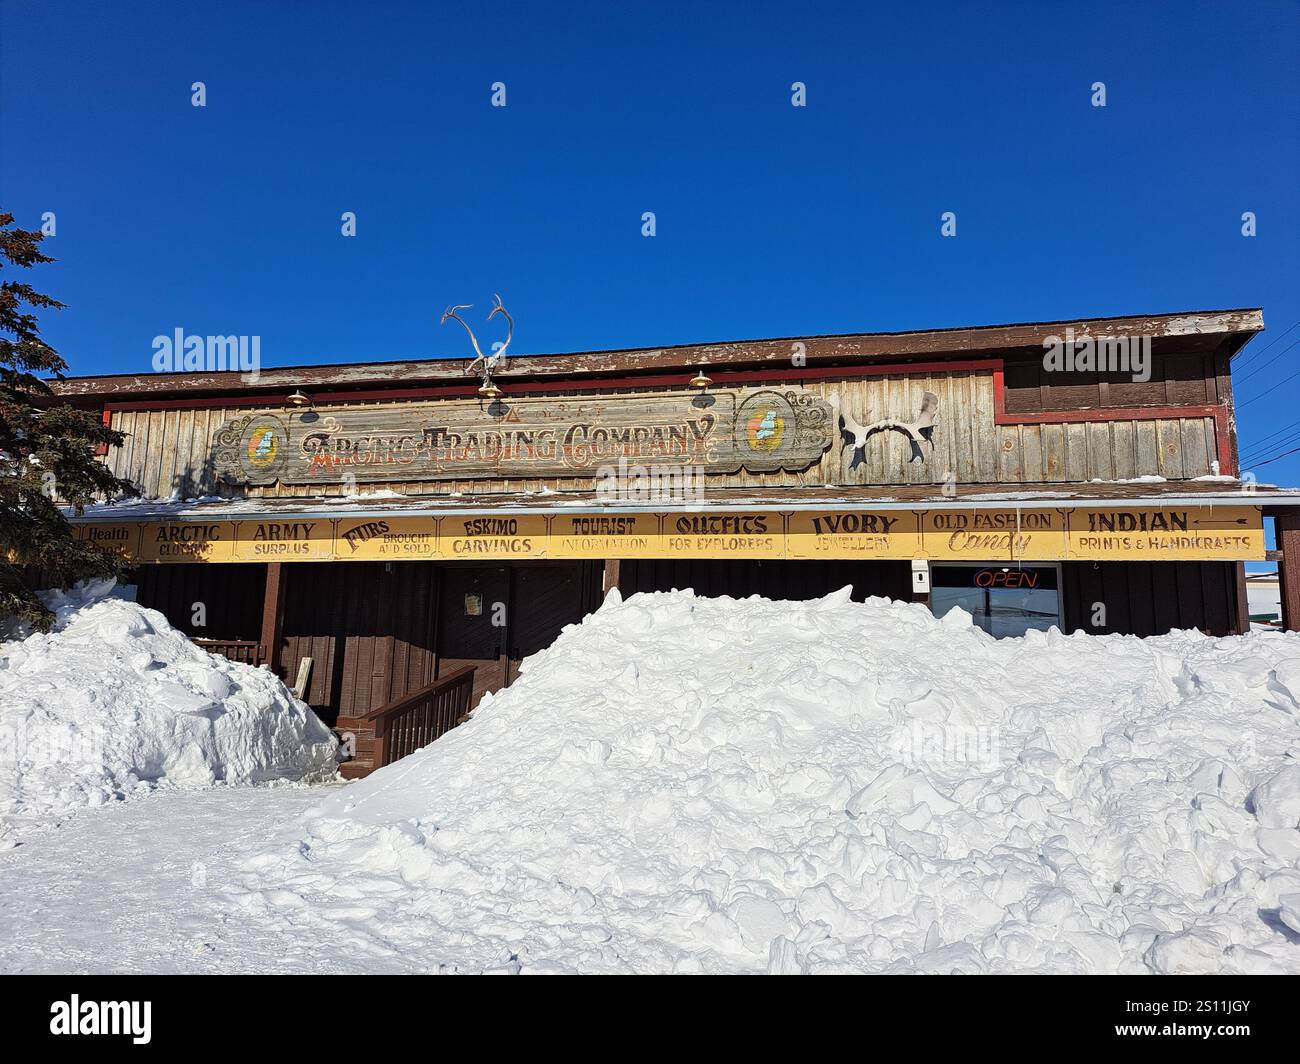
[(687, 784), (115, 702), (136, 887)]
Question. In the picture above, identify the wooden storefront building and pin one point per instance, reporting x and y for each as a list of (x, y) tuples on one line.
[(417, 540)]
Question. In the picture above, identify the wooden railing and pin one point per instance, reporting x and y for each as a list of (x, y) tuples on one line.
[(248, 651), (405, 724)]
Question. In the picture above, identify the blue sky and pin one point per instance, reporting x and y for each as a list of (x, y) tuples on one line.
[(771, 220)]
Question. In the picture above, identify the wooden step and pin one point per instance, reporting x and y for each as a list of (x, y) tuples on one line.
[(362, 762)]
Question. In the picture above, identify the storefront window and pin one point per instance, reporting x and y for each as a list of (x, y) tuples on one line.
[(1003, 600)]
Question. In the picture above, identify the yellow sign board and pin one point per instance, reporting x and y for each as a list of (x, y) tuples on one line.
[(606, 536), (1092, 533), (187, 541), (718, 535), (1234, 533), (121, 539), (493, 538), (993, 535), (853, 534), (303, 540), (388, 539)]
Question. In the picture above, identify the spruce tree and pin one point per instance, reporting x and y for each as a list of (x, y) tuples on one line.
[(47, 450)]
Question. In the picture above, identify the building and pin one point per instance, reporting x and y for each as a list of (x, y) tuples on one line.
[(416, 539), (1264, 597)]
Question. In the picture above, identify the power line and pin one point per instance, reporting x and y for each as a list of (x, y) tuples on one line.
[(1256, 445), (1255, 354), (1269, 452), (1265, 365), (1294, 450), (1261, 395), (1270, 441), (1263, 450)]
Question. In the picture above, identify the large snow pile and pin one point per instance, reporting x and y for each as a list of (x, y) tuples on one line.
[(683, 783), (114, 700)]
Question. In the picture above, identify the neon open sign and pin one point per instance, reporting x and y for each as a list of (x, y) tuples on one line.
[(1009, 578)]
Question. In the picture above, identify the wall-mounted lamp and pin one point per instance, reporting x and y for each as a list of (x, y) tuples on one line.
[(488, 390), (700, 380), (297, 400)]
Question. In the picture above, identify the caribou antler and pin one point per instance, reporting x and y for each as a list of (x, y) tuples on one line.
[(500, 308), (489, 362), (855, 434), (450, 312)]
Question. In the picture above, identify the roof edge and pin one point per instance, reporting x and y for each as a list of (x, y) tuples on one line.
[(824, 349)]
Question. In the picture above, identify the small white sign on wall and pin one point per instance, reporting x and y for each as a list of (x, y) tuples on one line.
[(920, 576)]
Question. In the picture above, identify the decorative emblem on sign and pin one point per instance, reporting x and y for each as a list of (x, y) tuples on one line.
[(263, 447), (765, 422), (922, 429), (572, 436), (251, 449)]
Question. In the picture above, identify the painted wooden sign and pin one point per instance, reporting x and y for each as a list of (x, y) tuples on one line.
[(853, 534), (1221, 533), (606, 536), (994, 535), (722, 535), (374, 539), (760, 430), (304, 539), (1234, 532)]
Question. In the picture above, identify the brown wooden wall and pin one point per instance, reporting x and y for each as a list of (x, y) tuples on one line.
[(1151, 598), (1141, 598), (374, 634), (168, 452), (1190, 378), (369, 631), (231, 594)]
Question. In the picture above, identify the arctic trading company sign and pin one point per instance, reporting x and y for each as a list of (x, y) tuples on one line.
[(761, 430)]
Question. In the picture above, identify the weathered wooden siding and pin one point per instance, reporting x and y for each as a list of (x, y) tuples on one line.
[(1141, 598), (376, 632), (1106, 450), (168, 453), (1150, 598), (231, 596), (369, 630), (1187, 378)]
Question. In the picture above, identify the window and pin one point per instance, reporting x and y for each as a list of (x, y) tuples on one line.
[(1003, 599)]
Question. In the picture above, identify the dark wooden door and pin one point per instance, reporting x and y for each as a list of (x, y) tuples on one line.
[(473, 624), (546, 598)]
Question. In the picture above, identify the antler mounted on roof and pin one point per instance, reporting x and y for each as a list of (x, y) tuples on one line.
[(489, 362)]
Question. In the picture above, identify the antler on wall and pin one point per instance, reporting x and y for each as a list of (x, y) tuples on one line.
[(922, 428)]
